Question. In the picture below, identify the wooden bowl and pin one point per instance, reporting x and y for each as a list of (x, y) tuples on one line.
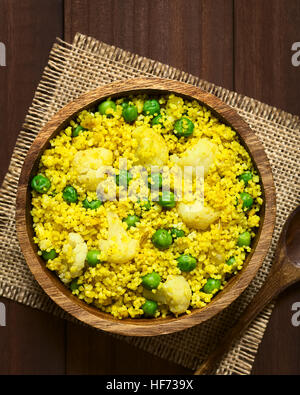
[(59, 293)]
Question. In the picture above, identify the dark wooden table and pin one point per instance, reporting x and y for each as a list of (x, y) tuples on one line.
[(243, 45)]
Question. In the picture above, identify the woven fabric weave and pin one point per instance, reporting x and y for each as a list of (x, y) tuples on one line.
[(86, 64)]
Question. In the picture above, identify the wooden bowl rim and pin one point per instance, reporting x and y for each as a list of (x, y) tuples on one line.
[(145, 327)]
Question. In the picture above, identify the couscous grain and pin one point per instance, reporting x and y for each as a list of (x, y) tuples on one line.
[(104, 249)]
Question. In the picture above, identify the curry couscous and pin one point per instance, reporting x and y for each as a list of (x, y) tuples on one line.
[(122, 228)]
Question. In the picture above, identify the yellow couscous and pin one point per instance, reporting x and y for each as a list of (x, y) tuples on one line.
[(136, 249)]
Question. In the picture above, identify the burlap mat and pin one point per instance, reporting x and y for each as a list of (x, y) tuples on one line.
[(84, 65)]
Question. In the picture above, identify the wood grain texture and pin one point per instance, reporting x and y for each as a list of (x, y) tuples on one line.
[(91, 352), (264, 32), (278, 352), (28, 29), (33, 342), (144, 327), (195, 36)]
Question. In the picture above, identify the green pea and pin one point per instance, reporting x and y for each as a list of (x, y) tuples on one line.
[(149, 308), (123, 178), (106, 105), (92, 257), (77, 130), (155, 181), (49, 254), (92, 205), (40, 183), (130, 113), (230, 261), (157, 120), (74, 284), (151, 107), (131, 220), (211, 285), (175, 233), (246, 177), (167, 199), (183, 127), (70, 194), (162, 239), (124, 104), (186, 263), (145, 204), (244, 239), (246, 199), (151, 280)]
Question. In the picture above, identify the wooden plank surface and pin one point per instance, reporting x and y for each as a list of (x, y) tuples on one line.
[(264, 32), (239, 44), (88, 352), (278, 352), (28, 29), (32, 342), (195, 36)]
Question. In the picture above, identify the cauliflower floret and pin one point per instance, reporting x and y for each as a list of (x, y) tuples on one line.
[(201, 154), (152, 149), (175, 292), (75, 251), (91, 165), (119, 247), (197, 216)]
